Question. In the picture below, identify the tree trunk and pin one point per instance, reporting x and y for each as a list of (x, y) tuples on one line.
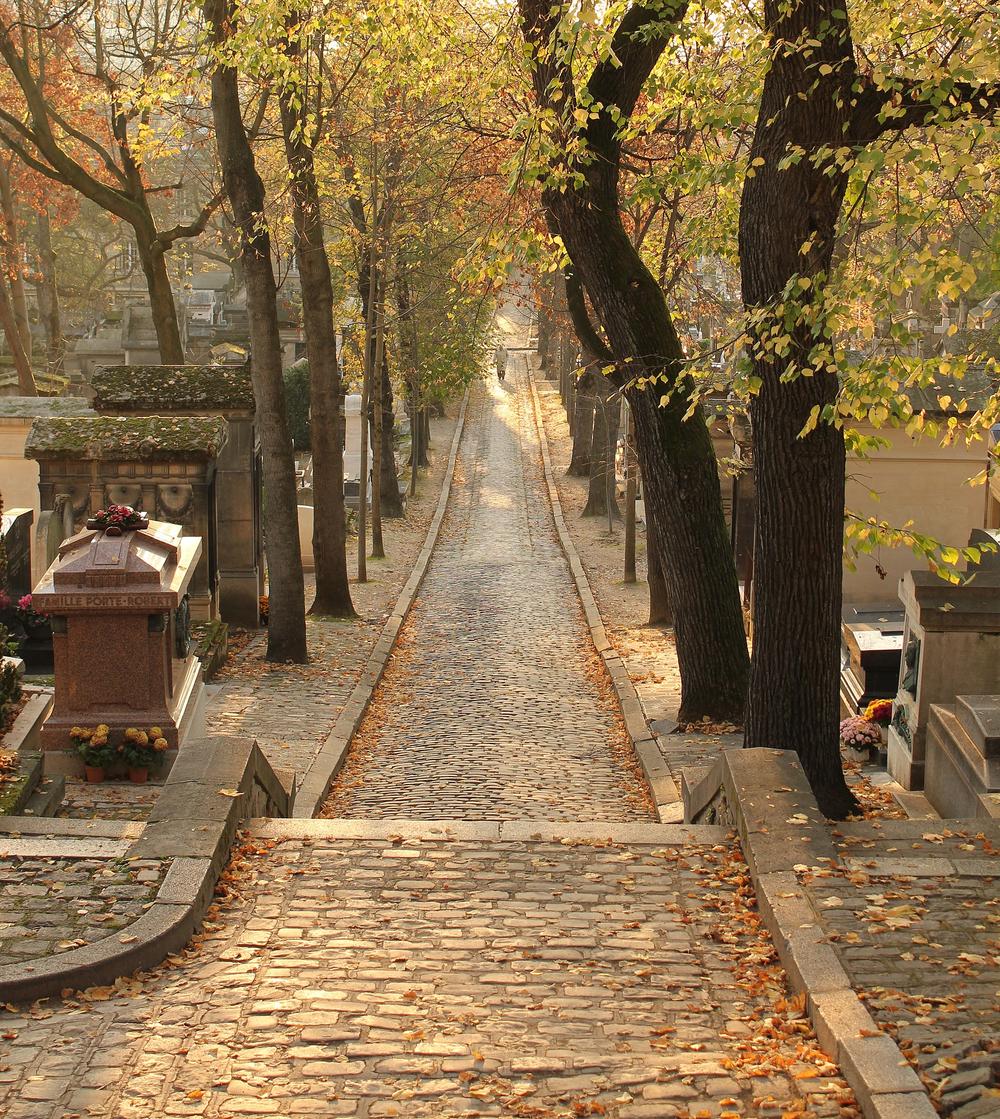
[(630, 469), (161, 295), (660, 613), (543, 300), (367, 276), (583, 424), (674, 449), (392, 499), (47, 293), (675, 453), (805, 105), (425, 436), (407, 333), (378, 546), (12, 262), (333, 592), (286, 638), (600, 491), (8, 323)]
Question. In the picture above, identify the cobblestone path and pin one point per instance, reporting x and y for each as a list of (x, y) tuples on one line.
[(432, 978), (914, 915), (495, 705)]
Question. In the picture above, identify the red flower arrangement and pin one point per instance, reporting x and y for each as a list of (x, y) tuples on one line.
[(117, 519)]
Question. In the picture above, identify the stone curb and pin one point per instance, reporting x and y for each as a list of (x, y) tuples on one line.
[(22, 738), (497, 831), (318, 778), (661, 784), (193, 824), (780, 826)]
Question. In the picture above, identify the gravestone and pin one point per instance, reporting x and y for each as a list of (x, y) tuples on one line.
[(951, 647), (118, 606), (962, 770), (233, 533), (15, 529), (162, 465), (871, 648)]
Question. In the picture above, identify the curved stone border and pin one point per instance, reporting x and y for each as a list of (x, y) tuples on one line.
[(332, 754), (657, 773), (214, 785), (780, 826)]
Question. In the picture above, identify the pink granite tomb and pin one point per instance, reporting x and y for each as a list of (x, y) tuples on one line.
[(121, 646)]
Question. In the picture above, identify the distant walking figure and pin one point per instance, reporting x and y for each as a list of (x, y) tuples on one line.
[(501, 356)]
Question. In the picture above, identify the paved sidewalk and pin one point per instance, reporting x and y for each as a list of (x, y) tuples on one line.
[(495, 704)]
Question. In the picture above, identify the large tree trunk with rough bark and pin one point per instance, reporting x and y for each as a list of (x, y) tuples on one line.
[(286, 639), (47, 293), (675, 453), (674, 449), (794, 701), (333, 592)]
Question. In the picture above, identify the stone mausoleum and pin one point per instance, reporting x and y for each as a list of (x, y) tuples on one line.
[(222, 392), (162, 465)]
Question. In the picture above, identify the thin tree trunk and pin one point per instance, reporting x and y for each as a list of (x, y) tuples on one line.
[(600, 492), (660, 613), (8, 323), (286, 638), (407, 332), (369, 275), (425, 436), (333, 592), (542, 286), (630, 572), (47, 293), (161, 295), (12, 262), (378, 547), (794, 698), (583, 424), (392, 499)]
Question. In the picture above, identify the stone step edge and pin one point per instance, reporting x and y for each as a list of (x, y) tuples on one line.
[(570, 833), (318, 778), (662, 786)]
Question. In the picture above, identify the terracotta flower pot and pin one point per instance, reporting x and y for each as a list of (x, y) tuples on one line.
[(94, 773), (138, 775)]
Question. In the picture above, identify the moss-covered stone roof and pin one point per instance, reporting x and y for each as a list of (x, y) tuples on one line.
[(47, 384), (126, 438), (172, 388), (35, 407)]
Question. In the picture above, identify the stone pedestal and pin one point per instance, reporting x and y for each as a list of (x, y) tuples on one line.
[(962, 768), (119, 610), (951, 645)]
